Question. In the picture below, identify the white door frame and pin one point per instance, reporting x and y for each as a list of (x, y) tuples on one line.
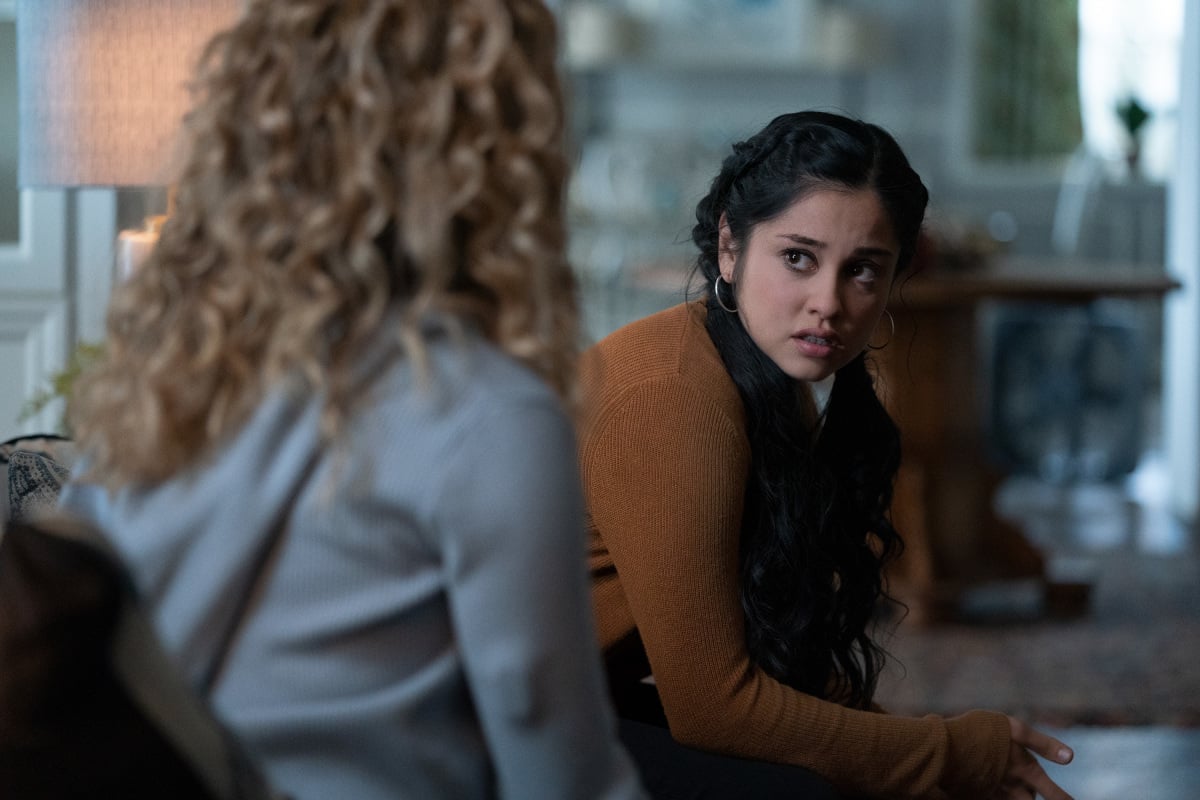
[(1181, 365)]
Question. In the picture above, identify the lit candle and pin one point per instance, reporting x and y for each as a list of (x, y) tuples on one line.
[(133, 247)]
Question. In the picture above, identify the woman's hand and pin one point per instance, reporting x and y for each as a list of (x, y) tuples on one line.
[(1024, 777)]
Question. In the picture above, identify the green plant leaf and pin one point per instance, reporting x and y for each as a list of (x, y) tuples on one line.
[(1133, 114), (62, 382)]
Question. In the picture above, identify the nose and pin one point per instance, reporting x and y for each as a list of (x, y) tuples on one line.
[(825, 298)]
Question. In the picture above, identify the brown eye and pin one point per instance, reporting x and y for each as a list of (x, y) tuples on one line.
[(796, 259)]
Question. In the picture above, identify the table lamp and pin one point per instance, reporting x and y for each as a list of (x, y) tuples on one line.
[(102, 91)]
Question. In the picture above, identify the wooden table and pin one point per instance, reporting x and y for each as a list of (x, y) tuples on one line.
[(929, 379)]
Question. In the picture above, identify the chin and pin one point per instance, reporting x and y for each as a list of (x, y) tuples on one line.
[(809, 372)]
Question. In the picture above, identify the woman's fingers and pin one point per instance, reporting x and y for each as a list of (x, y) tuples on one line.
[(1047, 788), (1025, 770), (1025, 778), (1043, 745)]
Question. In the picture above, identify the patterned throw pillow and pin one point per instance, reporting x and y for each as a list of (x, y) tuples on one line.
[(34, 481), (32, 472)]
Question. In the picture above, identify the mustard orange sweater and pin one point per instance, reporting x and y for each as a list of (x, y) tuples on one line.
[(664, 459)]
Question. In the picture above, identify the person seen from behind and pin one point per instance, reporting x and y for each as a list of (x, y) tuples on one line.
[(330, 430)]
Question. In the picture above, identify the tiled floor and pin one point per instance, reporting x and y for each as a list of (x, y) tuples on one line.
[(1127, 763)]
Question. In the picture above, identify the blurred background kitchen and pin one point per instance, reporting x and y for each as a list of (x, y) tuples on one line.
[(1010, 109)]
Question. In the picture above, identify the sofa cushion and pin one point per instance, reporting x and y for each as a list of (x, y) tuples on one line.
[(33, 470)]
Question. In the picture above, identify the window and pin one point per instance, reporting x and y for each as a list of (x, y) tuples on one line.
[(1026, 80), (1130, 49)]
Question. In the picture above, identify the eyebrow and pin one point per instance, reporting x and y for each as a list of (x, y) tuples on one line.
[(817, 243)]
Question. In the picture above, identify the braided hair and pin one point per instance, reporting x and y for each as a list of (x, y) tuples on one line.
[(816, 532)]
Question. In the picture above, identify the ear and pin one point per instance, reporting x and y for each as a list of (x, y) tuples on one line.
[(726, 258)]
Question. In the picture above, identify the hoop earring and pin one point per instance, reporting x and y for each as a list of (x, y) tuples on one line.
[(717, 294), (892, 320)]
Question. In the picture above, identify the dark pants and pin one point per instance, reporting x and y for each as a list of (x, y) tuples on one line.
[(671, 771)]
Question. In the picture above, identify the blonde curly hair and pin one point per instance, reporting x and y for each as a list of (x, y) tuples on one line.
[(345, 159)]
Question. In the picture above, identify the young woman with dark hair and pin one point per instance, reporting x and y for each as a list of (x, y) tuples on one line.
[(738, 534)]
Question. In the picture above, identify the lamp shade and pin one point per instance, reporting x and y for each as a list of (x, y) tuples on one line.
[(103, 86)]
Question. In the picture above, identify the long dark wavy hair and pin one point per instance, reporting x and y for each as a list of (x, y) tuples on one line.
[(816, 532)]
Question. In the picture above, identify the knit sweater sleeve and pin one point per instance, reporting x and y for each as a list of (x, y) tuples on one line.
[(664, 468)]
